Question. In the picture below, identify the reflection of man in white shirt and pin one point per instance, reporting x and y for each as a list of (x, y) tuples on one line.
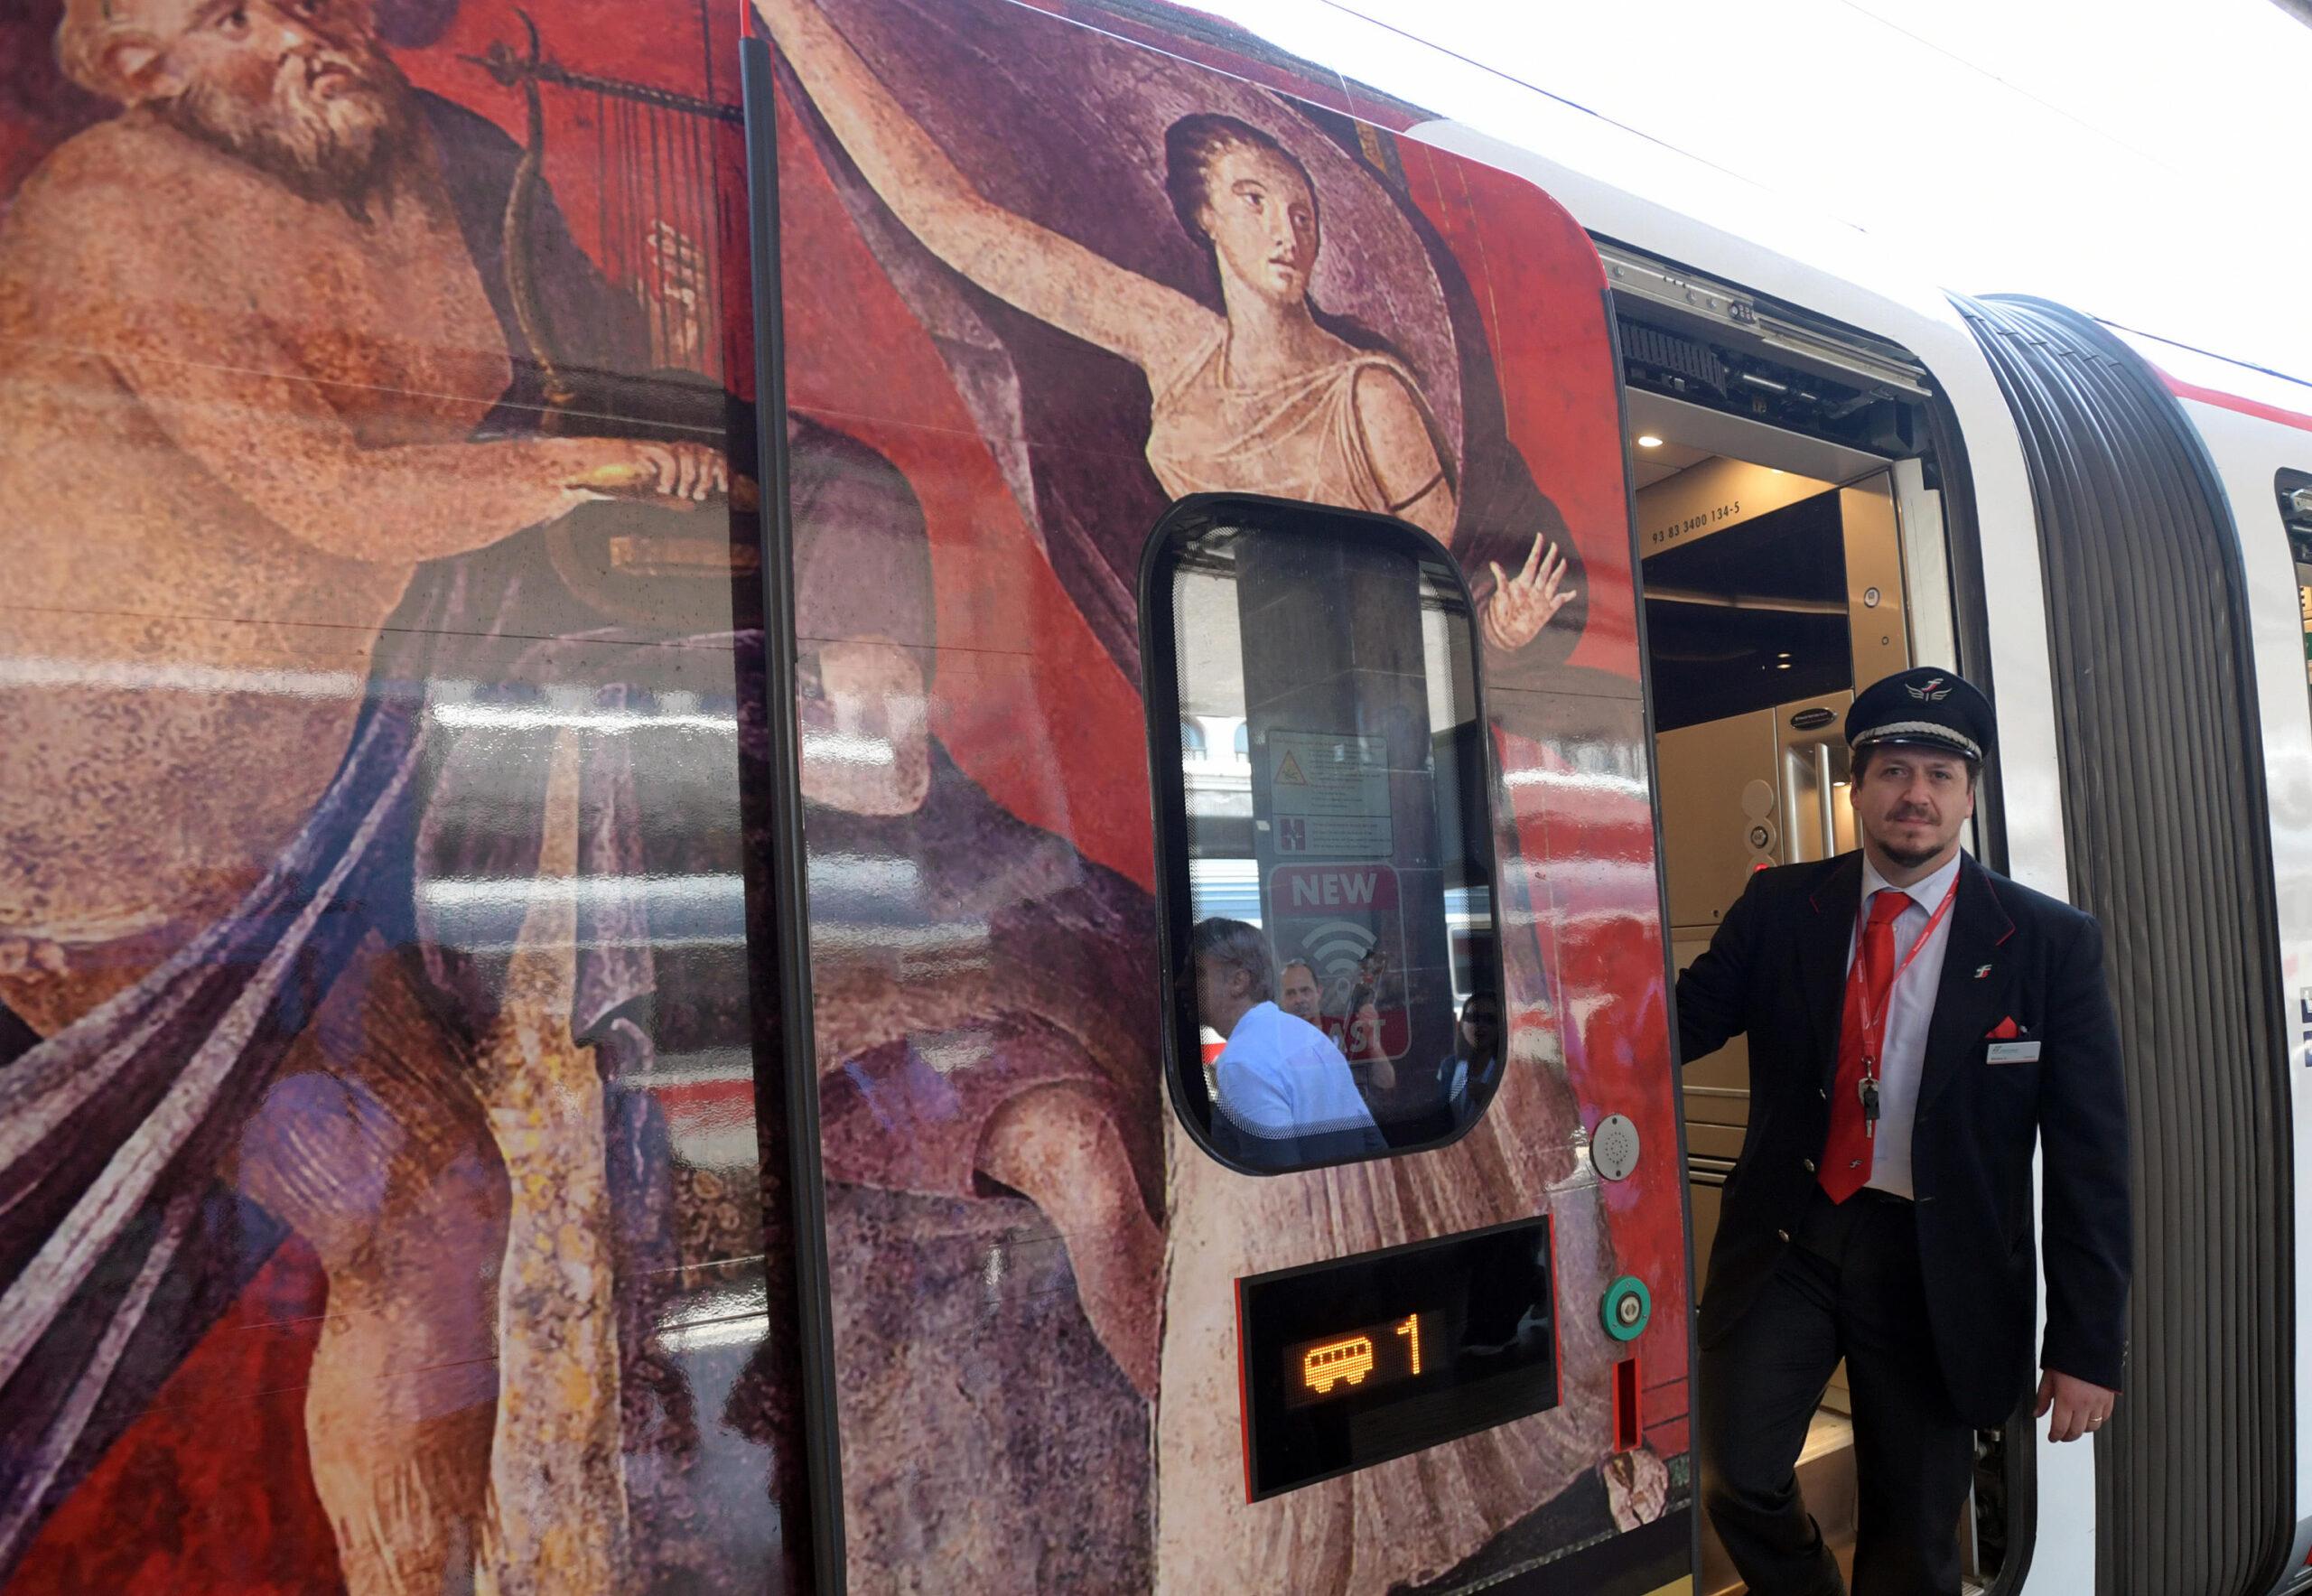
[(1285, 1096)]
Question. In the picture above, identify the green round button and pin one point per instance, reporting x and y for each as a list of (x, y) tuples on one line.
[(1627, 1308)]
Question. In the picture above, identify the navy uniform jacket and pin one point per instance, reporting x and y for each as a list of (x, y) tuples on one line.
[(1777, 973)]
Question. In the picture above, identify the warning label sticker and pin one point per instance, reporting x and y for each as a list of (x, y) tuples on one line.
[(1329, 794)]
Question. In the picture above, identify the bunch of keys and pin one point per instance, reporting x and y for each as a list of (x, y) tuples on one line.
[(1867, 1089)]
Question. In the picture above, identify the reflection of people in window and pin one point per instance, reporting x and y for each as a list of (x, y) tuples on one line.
[(1298, 994), (1262, 398), (1360, 1041), (1468, 1071), (1358, 1033), (1283, 1094)]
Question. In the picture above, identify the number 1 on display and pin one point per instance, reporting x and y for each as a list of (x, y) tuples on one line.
[(1411, 1329)]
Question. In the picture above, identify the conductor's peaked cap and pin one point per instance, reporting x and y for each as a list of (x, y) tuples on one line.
[(1932, 707)]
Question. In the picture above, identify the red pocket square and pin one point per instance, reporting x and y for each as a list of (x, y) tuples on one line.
[(2005, 1029)]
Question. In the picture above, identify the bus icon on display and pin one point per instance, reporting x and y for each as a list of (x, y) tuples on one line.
[(1350, 1360)]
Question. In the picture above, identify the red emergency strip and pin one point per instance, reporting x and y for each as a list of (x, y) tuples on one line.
[(2246, 407), (1244, 1396), (1627, 1429)]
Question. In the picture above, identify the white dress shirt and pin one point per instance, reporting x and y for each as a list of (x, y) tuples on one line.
[(1910, 1009), (1280, 1076)]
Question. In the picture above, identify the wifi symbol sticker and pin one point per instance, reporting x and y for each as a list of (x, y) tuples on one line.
[(1346, 920), (1334, 947)]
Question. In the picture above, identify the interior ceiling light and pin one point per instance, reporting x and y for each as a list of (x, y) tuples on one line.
[(1648, 441)]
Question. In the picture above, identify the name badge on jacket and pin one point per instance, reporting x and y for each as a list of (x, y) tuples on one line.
[(2014, 1052)]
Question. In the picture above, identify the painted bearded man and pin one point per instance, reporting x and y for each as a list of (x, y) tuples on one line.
[(256, 388)]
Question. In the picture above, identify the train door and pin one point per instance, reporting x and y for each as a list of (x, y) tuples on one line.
[(1214, 619), (2211, 561), (1791, 543), (2167, 633)]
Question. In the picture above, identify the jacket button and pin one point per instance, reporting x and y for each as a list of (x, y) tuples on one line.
[(1809, 1164), (1784, 1234), (1823, 1093)]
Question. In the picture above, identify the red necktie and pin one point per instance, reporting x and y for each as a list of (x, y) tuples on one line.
[(1846, 1153)]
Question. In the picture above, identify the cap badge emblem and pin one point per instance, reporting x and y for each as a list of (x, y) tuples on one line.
[(1933, 690), (1982, 972)]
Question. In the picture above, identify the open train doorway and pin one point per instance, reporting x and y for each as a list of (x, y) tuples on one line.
[(1792, 551)]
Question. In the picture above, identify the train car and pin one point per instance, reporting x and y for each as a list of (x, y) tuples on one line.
[(657, 665)]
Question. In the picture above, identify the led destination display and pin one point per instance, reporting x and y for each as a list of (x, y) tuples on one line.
[(1334, 1366), (1356, 1360)]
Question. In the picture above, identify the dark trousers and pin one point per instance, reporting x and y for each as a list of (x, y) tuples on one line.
[(1849, 1287)]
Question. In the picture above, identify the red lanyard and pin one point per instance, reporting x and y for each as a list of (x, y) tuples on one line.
[(1874, 1025)]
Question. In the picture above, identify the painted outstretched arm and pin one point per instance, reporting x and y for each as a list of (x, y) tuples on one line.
[(202, 351), (1051, 277), (275, 439), (1401, 446)]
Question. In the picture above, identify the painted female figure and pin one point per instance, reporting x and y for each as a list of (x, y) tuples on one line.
[(1260, 398)]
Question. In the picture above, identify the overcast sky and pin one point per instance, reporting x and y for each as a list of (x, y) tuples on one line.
[(2146, 161)]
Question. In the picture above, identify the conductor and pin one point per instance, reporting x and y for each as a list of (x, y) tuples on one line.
[(1917, 1023)]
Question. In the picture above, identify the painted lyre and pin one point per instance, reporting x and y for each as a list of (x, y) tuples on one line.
[(658, 223)]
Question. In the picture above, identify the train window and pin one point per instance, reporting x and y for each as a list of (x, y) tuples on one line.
[(1329, 910)]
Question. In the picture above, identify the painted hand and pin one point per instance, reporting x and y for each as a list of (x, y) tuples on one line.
[(612, 468), (1522, 604)]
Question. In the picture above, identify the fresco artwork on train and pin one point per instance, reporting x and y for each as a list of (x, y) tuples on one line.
[(392, 1184), (1038, 284), (381, 1190)]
